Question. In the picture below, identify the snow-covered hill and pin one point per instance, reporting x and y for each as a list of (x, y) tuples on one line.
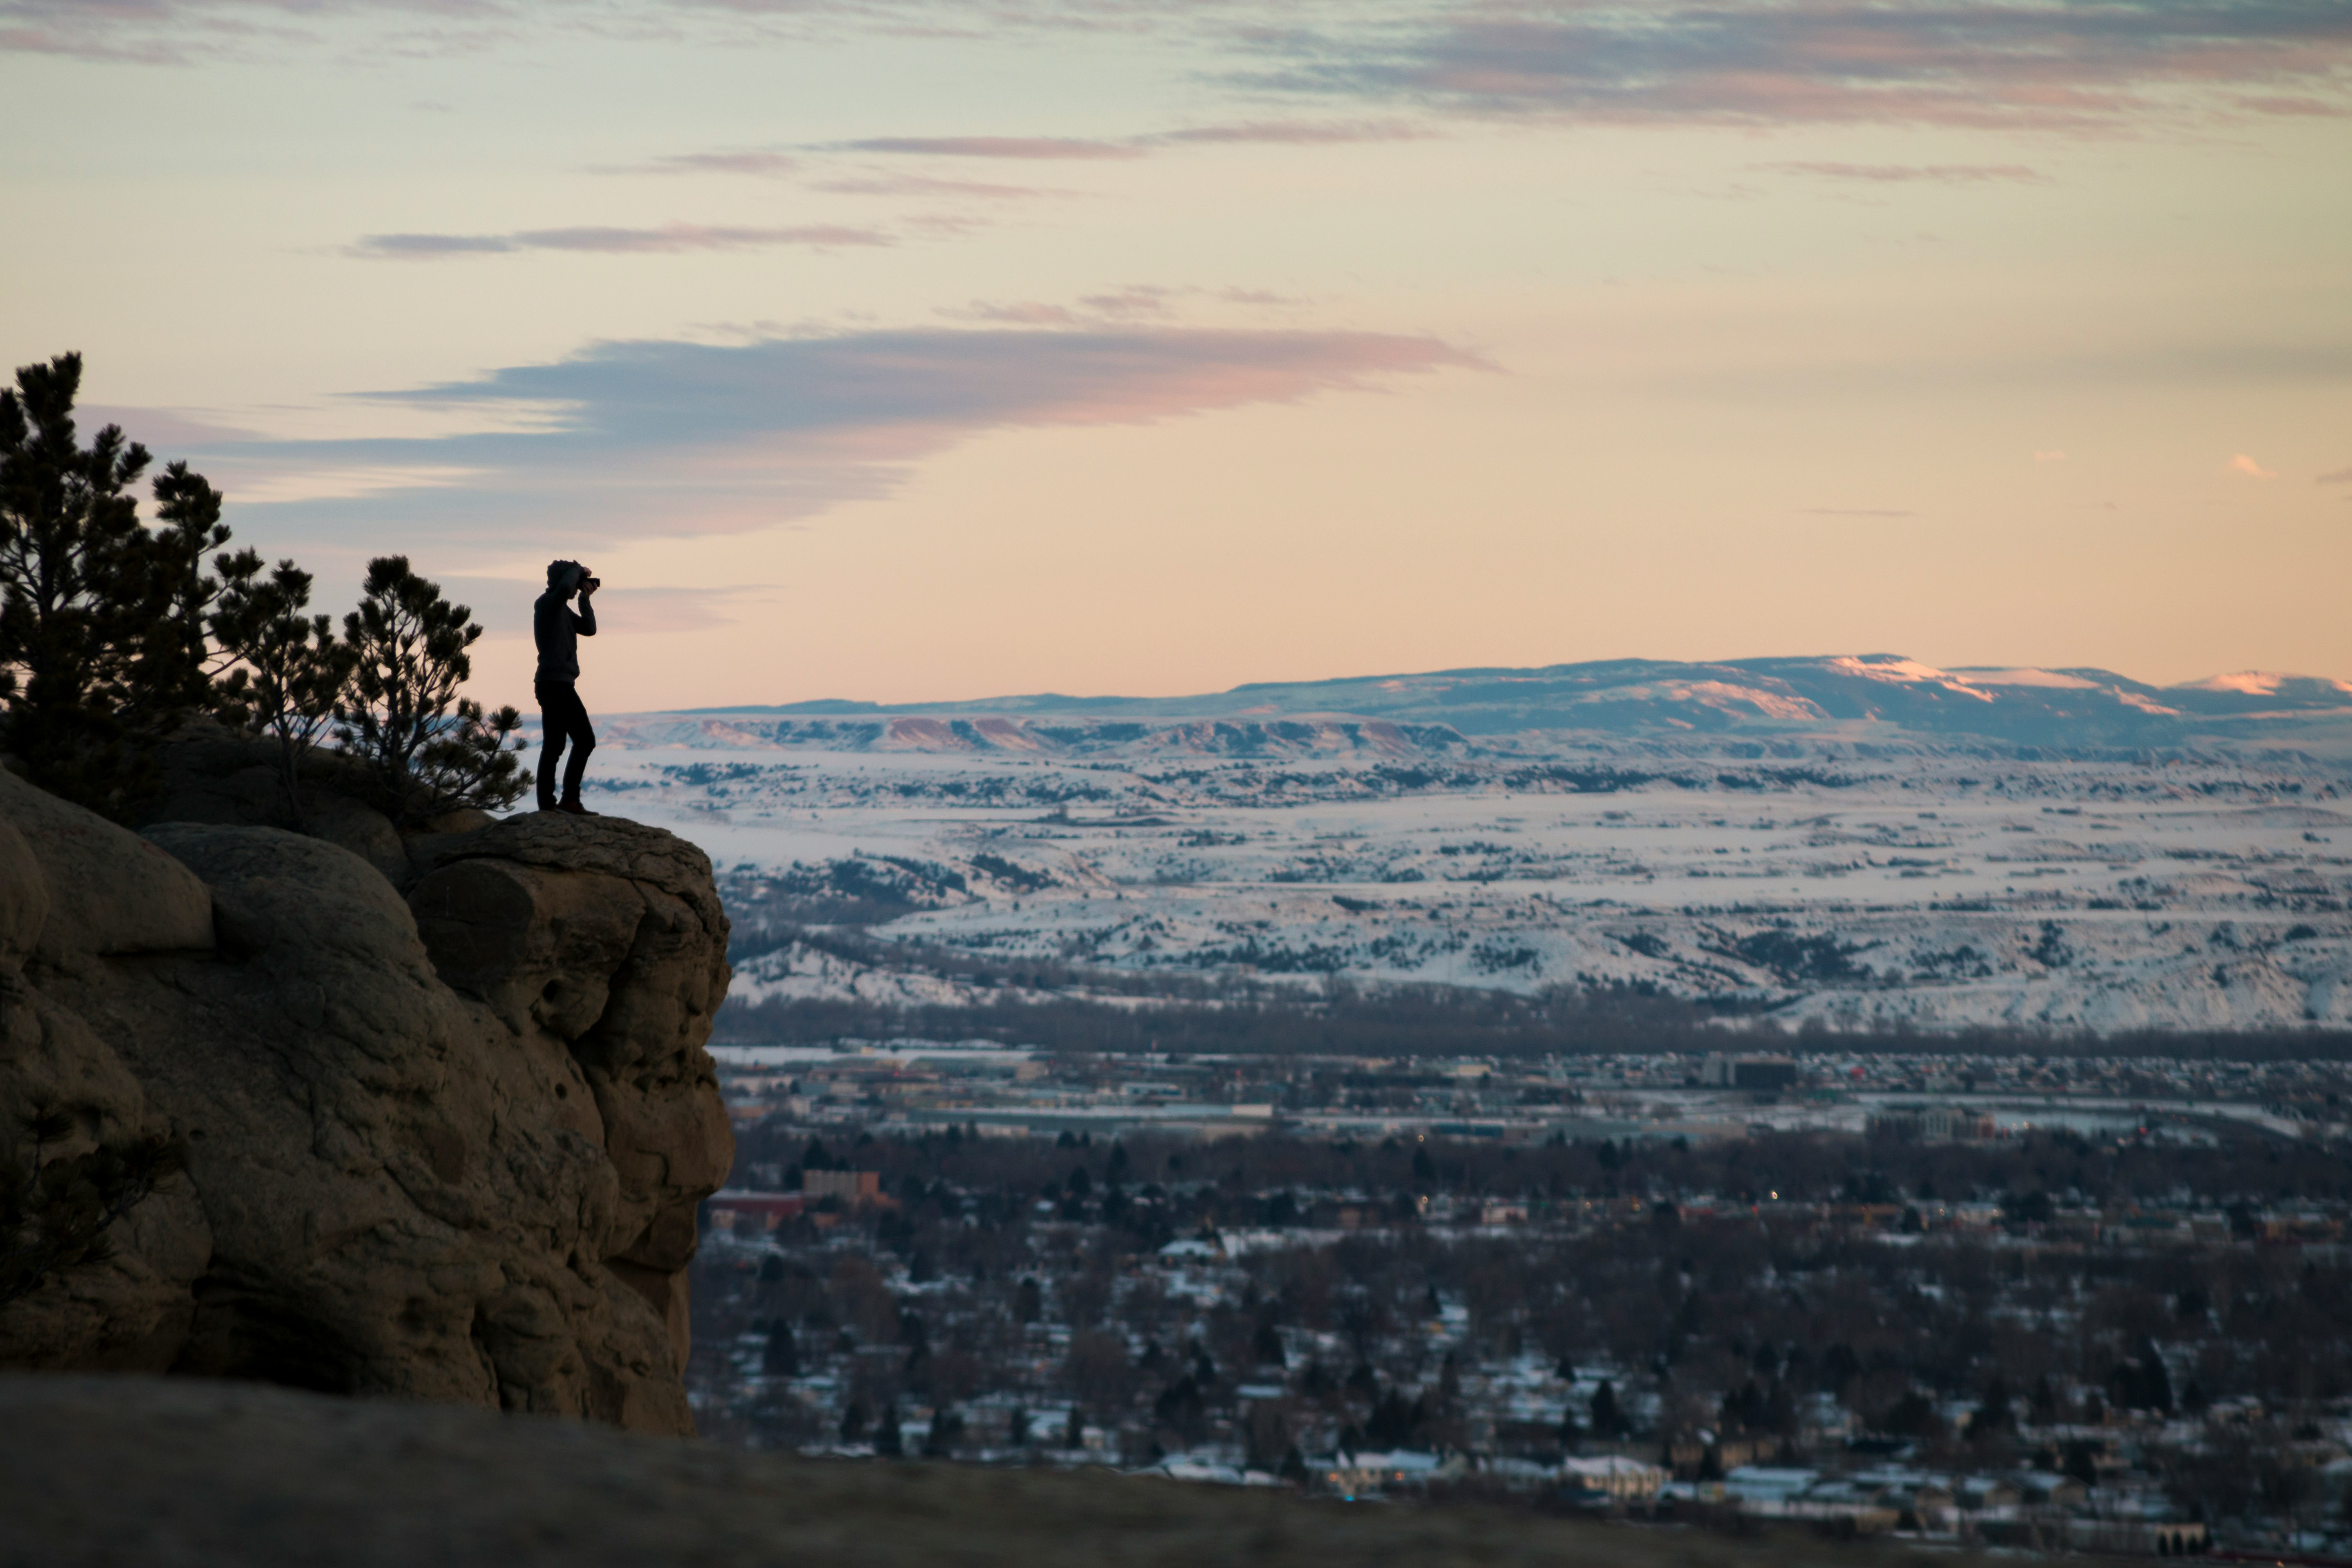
[(1870, 698), (1935, 888)]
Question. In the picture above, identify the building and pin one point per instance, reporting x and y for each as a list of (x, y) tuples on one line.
[(743, 1213), (1764, 1073), (1626, 1480), (1357, 1475), (1934, 1124), (849, 1186)]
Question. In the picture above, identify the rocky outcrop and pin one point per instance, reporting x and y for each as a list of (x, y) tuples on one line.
[(444, 1141)]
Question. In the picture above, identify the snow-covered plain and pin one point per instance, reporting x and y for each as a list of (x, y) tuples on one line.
[(1935, 885)]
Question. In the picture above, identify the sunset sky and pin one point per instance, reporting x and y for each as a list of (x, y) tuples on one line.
[(922, 348)]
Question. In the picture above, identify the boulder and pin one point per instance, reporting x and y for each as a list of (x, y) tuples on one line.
[(108, 892), (448, 1148)]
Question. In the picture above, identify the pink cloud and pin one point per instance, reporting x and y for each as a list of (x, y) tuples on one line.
[(2242, 464)]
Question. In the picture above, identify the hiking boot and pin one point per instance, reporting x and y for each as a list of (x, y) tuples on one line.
[(575, 808)]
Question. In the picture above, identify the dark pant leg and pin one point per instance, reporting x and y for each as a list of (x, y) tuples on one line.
[(583, 741), (563, 719), (550, 738)]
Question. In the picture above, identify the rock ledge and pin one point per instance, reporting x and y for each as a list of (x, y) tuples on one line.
[(448, 1145)]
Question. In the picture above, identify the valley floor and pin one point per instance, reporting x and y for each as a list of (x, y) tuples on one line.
[(1908, 888)]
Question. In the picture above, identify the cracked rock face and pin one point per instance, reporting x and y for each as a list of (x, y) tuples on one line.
[(448, 1146)]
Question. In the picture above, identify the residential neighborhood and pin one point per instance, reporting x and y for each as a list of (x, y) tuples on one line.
[(2096, 1305)]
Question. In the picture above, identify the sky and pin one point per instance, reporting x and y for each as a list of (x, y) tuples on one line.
[(913, 349)]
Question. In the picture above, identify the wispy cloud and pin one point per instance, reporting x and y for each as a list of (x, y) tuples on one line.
[(930, 380), (176, 31), (1135, 301), (767, 165), (2242, 464), (655, 436), (1895, 174), (1049, 148), (2340, 476), (2062, 64), (158, 427), (179, 32), (1292, 132), (2088, 64), (1017, 313), (771, 163), (667, 239), (903, 184)]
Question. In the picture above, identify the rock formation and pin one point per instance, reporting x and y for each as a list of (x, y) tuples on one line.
[(446, 1113)]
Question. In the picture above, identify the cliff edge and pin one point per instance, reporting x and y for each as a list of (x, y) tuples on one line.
[(443, 1137)]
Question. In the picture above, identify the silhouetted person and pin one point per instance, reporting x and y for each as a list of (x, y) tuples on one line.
[(562, 718)]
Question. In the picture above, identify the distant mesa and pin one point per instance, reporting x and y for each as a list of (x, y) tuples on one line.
[(1859, 698)]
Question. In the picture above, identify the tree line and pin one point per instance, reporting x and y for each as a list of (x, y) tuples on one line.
[(116, 632)]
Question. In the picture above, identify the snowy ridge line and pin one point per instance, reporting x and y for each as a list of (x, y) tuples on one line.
[(1850, 699)]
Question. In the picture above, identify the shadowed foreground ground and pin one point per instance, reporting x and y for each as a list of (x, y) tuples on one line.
[(161, 1472)]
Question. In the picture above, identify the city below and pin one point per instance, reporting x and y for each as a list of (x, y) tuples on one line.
[(2055, 1302)]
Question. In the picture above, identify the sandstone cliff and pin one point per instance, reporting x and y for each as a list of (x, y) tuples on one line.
[(445, 1108)]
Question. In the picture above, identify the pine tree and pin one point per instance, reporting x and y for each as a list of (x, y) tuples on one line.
[(290, 669), (177, 666), (102, 621), (72, 585), (408, 650)]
